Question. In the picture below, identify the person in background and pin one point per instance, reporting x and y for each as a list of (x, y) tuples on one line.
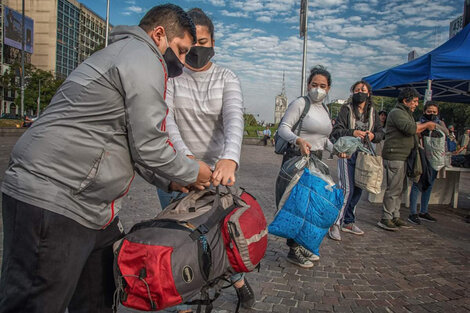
[(464, 142), (451, 140), (69, 173), (400, 139), (383, 118), (313, 138), (205, 121), (357, 118), (430, 114), (266, 135)]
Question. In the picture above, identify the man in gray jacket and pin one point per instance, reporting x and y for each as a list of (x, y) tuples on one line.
[(70, 171)]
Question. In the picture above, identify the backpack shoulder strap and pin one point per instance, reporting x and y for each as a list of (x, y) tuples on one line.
[(326, 108), (304, 113)]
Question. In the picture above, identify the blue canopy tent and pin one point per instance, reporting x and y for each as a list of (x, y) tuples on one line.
[(445, 70)]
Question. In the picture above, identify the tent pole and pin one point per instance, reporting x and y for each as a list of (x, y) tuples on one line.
[(428, 94)]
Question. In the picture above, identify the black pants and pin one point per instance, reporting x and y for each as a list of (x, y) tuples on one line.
[(51, 262), (265, 139)]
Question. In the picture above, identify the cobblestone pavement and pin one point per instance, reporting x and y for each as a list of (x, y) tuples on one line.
[(422, 269)]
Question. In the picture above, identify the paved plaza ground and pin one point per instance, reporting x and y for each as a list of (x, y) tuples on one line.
[(422, 269)]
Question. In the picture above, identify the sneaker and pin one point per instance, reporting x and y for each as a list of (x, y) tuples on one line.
[(427, 217), (246, 295), (414, 219), (334, 233), (352, 228), (400, 223), (296, 257), (387, 225), (309, 255)]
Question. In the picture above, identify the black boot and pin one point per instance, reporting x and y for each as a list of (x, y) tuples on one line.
[(246, 295)]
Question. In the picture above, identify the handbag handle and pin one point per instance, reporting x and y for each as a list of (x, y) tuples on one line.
[(369, 144)]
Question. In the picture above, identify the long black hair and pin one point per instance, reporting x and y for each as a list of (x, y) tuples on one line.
[(200, 18), (368, 105)]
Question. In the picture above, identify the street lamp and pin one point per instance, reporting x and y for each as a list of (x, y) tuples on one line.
[(39, 98), (22, 60), (107, 24)]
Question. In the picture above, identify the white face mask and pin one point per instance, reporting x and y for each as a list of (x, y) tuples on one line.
[(317, 94)]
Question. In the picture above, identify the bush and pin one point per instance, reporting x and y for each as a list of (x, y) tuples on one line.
[(251, 130)]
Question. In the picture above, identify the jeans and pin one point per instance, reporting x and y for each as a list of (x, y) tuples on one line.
[(51, 262), (165, 199), (425, 196)]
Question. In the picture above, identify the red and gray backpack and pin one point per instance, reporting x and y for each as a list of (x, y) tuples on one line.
[(194, 244)]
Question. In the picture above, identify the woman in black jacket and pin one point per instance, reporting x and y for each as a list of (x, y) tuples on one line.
[(357, 118)]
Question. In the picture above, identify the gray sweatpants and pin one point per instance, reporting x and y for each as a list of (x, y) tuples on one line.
[(394, 176)]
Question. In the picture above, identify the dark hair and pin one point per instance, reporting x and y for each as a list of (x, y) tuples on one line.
[(408, 94), (369, 104), (383, 112), (319, 70), (431, 104), (172, 18), (200, 18)]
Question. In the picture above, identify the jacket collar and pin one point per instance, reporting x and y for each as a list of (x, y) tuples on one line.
[(401, 106)]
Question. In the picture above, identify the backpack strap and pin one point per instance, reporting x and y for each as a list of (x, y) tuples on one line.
[(218, 215), (304, 113)]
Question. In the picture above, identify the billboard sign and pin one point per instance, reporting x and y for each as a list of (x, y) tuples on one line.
[(12, 30), (455, 26)]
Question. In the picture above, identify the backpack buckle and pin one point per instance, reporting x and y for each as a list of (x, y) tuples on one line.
[(201, 230)]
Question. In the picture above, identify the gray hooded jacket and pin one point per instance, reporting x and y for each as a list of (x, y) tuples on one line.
[(105, 121)]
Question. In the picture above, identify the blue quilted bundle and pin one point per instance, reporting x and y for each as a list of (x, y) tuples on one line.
[(308, 213)]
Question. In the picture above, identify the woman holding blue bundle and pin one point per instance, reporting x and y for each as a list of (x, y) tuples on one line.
[(311, 138)]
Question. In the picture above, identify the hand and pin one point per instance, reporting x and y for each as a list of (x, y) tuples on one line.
[(304, 146), (359, 133), (224, 173), (431, 125), (203, 177), (177, 187), (371, 135), (343, 156), (190, 156)]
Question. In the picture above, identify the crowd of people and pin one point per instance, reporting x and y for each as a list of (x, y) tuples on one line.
[(393, 135), (154, 103)]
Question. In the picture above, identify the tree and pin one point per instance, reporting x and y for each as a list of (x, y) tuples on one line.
[(250, 120), (33, 77), (384, 103)]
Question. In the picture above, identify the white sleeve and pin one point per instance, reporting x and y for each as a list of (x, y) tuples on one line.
[(232, 115), (292, 115), (171, 126)]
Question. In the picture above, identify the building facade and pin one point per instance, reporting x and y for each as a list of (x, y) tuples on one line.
[(66, 32), (92, 33), (8, 56)]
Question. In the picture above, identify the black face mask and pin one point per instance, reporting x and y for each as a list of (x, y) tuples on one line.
[(173, 64), (199, 56), (430, 117), (359, 97)]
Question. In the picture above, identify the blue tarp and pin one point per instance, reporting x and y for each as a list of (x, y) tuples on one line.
[(308, 213), (448, 66)]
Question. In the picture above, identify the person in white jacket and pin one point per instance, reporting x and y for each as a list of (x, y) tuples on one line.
[(313, 138)]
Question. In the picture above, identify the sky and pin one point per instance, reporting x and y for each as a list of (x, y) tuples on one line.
[(259, 39)]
